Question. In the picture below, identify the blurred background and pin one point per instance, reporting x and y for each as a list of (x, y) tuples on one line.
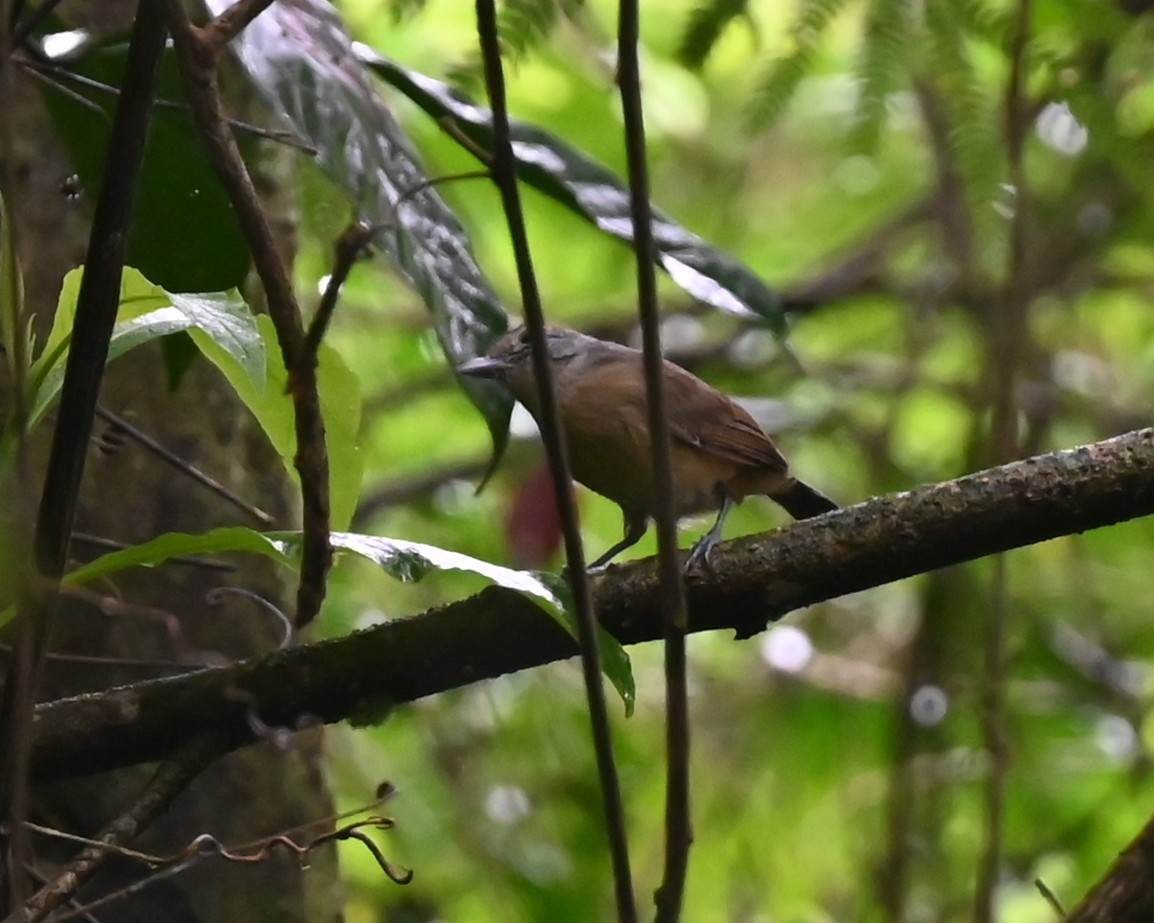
[(966, 271), (951, 201)]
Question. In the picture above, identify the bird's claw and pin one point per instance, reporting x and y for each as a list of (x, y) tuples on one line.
[(700, 552)]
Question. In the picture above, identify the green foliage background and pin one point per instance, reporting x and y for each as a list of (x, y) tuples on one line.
[(794, 135), (854, 154)]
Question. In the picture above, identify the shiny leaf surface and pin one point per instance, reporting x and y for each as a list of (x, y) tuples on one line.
[(596, 193)]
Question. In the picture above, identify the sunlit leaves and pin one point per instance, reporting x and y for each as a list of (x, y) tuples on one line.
[(146, 312)]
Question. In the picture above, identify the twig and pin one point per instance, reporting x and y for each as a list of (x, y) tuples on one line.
[(97, 304), (207, 846), (349, 247), (229, 24), (215, 596), (47, 71), (170, 780), (142, 438), (1050, 898), (405, 489), (24, 29), (504, 169), (197, 53), (678, 833), (122, 893)]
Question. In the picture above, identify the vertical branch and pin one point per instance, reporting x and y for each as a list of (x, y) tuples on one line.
[(97, 304), (1008, 335), (197, 51), (678, 834), (504, 171)]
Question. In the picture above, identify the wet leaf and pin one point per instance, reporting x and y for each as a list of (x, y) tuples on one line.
[(412, 561), (301, 58), (594, 192)]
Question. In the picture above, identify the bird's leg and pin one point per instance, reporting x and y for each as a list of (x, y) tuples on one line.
[(704, 545), (635, 527)]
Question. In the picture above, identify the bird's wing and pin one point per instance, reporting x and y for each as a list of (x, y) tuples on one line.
[(705, 418)]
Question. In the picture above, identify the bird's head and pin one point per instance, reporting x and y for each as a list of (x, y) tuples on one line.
[(510, 359)]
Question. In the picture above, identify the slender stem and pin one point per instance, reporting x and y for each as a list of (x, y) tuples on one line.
[(229, 24), (23, 29), (504, 170), (142, 439), (1009, 341), (197, 51), (351, 243), (171, 778), (678, 833)]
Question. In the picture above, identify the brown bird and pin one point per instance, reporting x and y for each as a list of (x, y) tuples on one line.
[(719, 453)]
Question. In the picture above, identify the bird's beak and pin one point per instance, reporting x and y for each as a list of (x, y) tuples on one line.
[(484, 367)]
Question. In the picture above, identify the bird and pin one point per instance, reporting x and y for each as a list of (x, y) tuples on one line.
[(719, 453)]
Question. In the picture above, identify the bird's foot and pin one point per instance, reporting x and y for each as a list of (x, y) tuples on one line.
[(700, 552)]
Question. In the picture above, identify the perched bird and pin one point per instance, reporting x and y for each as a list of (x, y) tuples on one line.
[(719, 453)]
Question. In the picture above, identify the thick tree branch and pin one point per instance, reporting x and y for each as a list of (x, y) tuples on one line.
[(754, 581), (1126, 894)]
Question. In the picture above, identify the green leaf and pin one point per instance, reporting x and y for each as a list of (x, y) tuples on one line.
[(594, 192), (147, 312), (302, 60), (411, 561), (179, 544), (137, 296), (403, 560), (184, 233), (224, 318), (264, 392)]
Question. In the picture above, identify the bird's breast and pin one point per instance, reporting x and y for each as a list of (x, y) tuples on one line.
[(612, 457)]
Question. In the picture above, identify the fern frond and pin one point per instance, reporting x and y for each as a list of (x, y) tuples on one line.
[(970, 105), (983, 19), (522, 27), (780, 78), (706, 23), (882, 64), (525, 24)]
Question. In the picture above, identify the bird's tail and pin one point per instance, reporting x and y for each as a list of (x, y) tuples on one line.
[(802, 501)]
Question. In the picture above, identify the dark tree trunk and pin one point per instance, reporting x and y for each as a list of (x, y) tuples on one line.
[(130, 495)]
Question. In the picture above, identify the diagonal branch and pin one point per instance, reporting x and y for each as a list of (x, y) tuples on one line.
[(755, 580), (197, 52)]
